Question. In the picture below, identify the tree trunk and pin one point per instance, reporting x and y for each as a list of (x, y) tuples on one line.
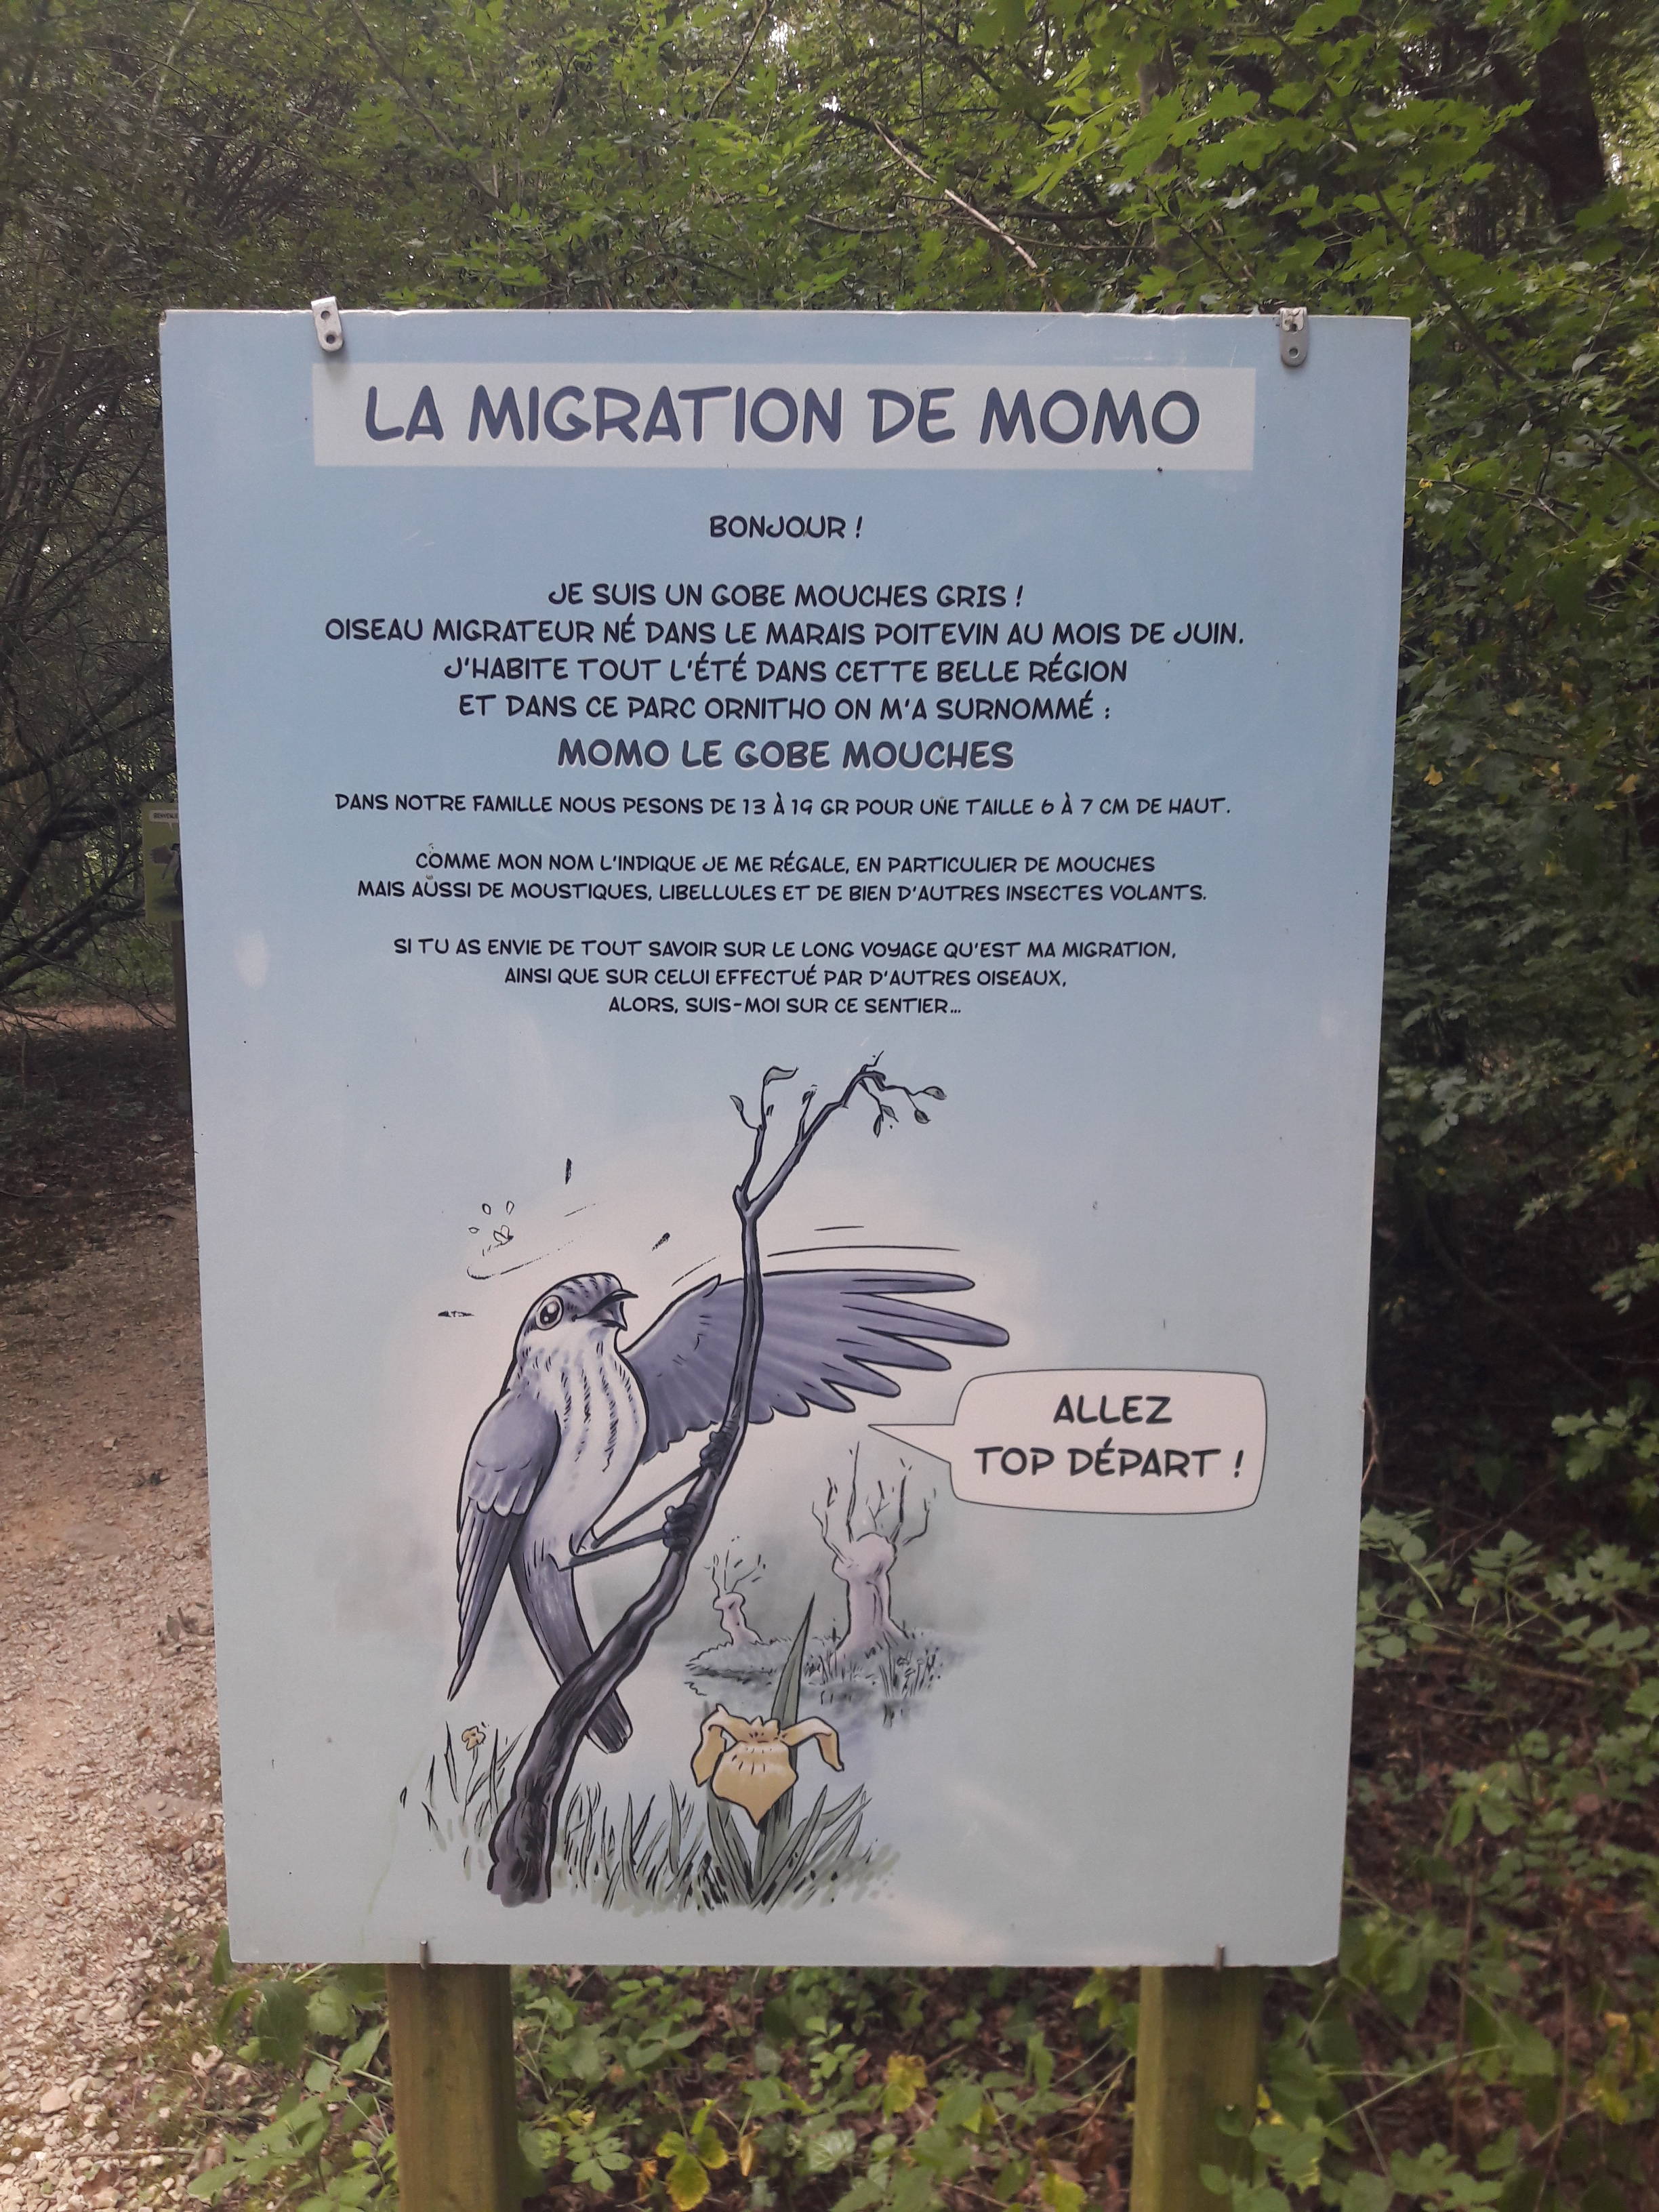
[(1563, 128), (730, 1611), (866, 1566)]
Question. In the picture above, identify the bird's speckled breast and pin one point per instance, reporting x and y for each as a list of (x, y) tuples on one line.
[(601, 1415)]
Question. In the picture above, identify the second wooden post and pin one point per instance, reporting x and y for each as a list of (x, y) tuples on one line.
[(453, 2088), (1199, 2049)]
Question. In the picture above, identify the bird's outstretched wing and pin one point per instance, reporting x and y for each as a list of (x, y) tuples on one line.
[(506, 1464), (826, 1331)]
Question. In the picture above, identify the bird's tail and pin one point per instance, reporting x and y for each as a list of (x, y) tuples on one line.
[(548, 1595)]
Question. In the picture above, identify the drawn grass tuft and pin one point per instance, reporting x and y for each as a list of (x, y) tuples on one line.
[(681, 1861), (701, 1860), (462, 1805), (633, 1860)]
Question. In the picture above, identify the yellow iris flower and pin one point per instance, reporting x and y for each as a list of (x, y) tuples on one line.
[(752, 1763)]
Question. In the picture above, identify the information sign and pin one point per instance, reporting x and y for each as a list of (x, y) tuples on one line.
[(786, 933)]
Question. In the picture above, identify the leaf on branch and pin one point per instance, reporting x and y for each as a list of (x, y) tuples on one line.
[(780, 1075), (737, 1102), (687, 2182), (932, 1091), (907, 2078), (917, 1112)]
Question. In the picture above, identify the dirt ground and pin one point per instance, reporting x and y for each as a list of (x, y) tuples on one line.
[(93, 1138), (109, 1818)]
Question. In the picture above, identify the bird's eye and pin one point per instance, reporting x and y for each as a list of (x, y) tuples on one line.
[(551, 1315)]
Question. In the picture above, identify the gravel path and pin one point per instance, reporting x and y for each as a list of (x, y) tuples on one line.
[(109, 1846)]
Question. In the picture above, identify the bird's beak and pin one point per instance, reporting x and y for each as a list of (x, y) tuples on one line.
[(610, 1310)]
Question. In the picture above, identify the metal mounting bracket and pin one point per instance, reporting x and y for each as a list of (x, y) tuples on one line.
[(331, 331), (1292, 336)]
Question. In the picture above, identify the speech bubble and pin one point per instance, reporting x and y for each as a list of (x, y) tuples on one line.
[(1103, 1440)]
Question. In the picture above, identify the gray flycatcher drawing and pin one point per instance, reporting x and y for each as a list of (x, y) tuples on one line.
[(576, 1416)]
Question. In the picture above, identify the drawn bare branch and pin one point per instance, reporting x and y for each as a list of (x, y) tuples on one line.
[(522, 1843)]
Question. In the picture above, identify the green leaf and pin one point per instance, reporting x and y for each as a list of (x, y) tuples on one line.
[(1530, 2053), (1366, 2193), (213, 2183), (686, 2182), (821, 2153), (1059, 2195), (1323, 16), (868, 2190), (960, 2105), (905, 2079), (915, 2189), (330, 2012), (354, 2058), (773, 1833), (281, 2021), (728, 1848)]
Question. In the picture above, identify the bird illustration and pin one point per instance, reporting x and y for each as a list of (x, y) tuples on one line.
[(577, 1415)]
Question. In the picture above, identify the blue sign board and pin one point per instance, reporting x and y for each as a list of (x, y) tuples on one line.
[(787, 919)]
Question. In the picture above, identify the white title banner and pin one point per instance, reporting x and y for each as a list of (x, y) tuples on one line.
[(779, 415)]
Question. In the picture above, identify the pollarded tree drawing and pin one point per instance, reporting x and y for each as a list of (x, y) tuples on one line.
[(865, 1537), (871, 1663), (579, 1414), (729, 1576), (742, 1662)]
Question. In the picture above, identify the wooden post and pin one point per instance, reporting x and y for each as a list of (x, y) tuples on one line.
[(453, 2088), (180, 1006), (1198, 2048)]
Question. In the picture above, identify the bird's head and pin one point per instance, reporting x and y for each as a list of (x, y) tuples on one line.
[(581, 1305)]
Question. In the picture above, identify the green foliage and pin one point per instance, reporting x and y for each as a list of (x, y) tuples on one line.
[(327, 2132), (1623, 1440), (1535, 2033), (691, 2158), (139, 172)]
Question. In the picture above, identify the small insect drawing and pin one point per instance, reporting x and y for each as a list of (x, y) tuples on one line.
[(495, 1235)]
